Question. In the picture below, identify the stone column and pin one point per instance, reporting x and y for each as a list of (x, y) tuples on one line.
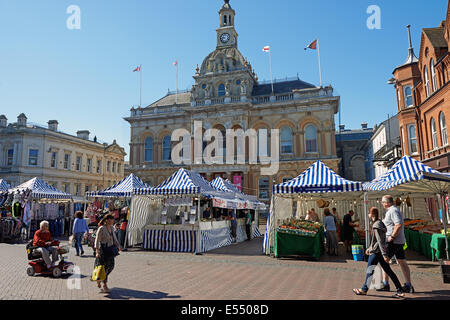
[(301, 144)]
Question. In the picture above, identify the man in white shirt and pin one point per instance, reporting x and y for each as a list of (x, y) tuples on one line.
[(395, 238)]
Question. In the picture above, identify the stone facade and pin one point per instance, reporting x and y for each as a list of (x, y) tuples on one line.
[(227, 95), (350, 149), (73, 164)]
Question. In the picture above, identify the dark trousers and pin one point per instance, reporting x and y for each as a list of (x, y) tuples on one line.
[(78, 241), (248, 228), (374, 259)]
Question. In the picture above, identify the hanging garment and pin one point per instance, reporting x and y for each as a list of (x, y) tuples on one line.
[(17, 210), (27, 214)]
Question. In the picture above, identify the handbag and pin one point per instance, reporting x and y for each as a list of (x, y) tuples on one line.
[(72, 240), (108, 252), (99, 273)]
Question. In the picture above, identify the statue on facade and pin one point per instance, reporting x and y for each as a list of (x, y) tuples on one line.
[(244, 87), (207, 91)]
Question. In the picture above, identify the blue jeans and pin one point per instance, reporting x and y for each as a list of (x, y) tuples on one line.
[(374, 259), (78, 239)]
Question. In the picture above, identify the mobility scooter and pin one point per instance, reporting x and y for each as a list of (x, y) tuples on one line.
[(36, 264)]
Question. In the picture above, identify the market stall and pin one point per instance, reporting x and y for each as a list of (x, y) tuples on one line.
[(169, 215), (410, 176), (119, 196), (247, 201), (317, 182), (35, 201)]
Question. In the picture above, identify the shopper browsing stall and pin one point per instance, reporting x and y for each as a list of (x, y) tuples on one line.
[(330, 229)]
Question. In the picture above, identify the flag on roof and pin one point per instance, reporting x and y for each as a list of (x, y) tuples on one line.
[(312, 46), (266, 49)]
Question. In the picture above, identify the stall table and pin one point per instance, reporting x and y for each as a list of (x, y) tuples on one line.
[(431, 246), (287, 244), (183, 238)]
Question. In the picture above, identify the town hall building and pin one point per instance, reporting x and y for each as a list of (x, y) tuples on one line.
[(228, 95)]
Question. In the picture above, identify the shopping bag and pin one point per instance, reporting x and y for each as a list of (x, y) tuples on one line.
[(377, 278), (405, 246), (99, 273), (72, 241)]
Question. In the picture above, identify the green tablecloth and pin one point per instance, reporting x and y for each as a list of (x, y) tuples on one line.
[(425, 244), (438, 244), (292, 244)]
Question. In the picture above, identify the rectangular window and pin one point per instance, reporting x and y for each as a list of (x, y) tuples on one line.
[(114, 167), (87, 188), (119, 167), (53, 160), (264, 188), (78, 165), (412, 139), (67, 188), (33, 157), (99, 166), (10, 157), (78, 189), (67, 161), (108, 166), (89, 165)]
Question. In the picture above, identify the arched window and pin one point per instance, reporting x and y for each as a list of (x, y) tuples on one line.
[(408, 96), (427, 81), (225, 20), (433, 75), (263, 188), (167, 149), (149, 149), (311, 138), (221, 90), (434, 133), (286, 140), (443, 126)]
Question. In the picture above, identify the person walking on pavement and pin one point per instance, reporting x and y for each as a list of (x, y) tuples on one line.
[(395, 237), (248, 224), (105, 241), (79, 228), (378, 253)]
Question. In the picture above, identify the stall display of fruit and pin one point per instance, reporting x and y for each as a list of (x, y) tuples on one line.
[(424, 226), (300, 227)]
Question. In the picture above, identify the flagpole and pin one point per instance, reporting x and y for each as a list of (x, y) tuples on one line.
[(177, 85), (270, 62), (140, 91), (320, 67)]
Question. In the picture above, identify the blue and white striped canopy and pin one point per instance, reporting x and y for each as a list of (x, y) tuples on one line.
[(317, 179), (227, 186), (4, 186), (411, 175), (41, 190), (184, 182), (123, 188)]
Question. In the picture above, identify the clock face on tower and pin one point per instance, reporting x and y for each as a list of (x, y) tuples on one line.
[(224, 38)]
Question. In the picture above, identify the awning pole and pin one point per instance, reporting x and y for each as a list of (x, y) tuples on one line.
[(366, 201), (197, 250), (444, 211)]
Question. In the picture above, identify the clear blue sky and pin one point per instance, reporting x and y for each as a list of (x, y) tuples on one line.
[(84, 79)]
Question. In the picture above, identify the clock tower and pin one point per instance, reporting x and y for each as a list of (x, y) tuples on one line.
[(226, 34)]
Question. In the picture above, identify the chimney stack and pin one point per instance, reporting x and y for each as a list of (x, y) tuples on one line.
[(22, 120), (342, 127), (83, 134), (3, 121), (53, 125), (364, 125)]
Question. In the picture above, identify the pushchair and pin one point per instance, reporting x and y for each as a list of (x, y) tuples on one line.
[(89, 238), (36, 264)]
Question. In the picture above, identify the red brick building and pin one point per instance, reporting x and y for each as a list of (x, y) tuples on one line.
[(423, 97)]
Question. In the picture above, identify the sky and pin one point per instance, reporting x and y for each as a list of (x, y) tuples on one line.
[(83, 77)]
